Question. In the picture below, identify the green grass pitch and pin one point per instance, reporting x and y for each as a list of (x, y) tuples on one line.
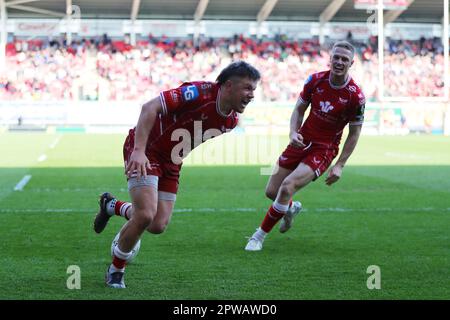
[(390, 209)]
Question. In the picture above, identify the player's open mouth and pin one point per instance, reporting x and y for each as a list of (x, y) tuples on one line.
[(338, 68)]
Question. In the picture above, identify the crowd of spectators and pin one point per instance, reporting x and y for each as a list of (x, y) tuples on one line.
[(105, 69)]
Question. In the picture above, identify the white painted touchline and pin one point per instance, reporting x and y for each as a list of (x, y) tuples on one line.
[(22, 183)]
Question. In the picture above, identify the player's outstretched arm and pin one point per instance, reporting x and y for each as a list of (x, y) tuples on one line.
[(138, 160), (297, 116), (350, 143)]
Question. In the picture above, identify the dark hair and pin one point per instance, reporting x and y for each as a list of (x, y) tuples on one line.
[(239, 69)]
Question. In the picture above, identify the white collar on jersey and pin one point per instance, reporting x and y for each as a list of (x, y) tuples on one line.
[(349, 78), (218, 109)]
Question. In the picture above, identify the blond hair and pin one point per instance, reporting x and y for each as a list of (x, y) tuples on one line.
[(344, 45)]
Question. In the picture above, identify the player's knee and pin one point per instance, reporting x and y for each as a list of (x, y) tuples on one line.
[(144, 222), (157, 228), (271, 193), (144, 219), (287, 188)]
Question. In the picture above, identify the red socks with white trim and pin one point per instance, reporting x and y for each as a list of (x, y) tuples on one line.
[(273, 215)]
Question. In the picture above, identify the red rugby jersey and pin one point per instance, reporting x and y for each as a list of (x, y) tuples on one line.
[(190, 116), (332, 108)]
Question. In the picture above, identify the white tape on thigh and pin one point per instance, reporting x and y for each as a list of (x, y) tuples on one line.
[(168, 196), (151, 181)]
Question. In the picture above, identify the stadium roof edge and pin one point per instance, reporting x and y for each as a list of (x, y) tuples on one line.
[(425, 11)]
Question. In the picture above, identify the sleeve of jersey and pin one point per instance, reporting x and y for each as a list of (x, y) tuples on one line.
[(359, 105), (183, 97), (235, 121), (305, 95)]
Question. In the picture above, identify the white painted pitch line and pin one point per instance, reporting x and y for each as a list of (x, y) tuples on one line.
[(406, 155), (54, 143), (52, 190), (212, 210), (215, 209), (22, 183), (42, 157), (181, 210)]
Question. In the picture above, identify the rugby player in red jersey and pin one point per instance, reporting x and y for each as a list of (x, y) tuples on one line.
[(336, 100), (169, 127)]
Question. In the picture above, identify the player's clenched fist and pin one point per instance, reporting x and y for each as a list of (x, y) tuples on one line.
[(296, 140), (334, 174)]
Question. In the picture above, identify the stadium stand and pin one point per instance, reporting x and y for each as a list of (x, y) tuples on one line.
[(128, 51), (103, 69)]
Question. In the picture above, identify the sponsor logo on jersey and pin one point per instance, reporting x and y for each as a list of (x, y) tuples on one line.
[(362, 99), (189, 93), (326, 106), (342, 100), (316, 161), (352, 88), (174, 96), (205, 90), (204, 86)]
